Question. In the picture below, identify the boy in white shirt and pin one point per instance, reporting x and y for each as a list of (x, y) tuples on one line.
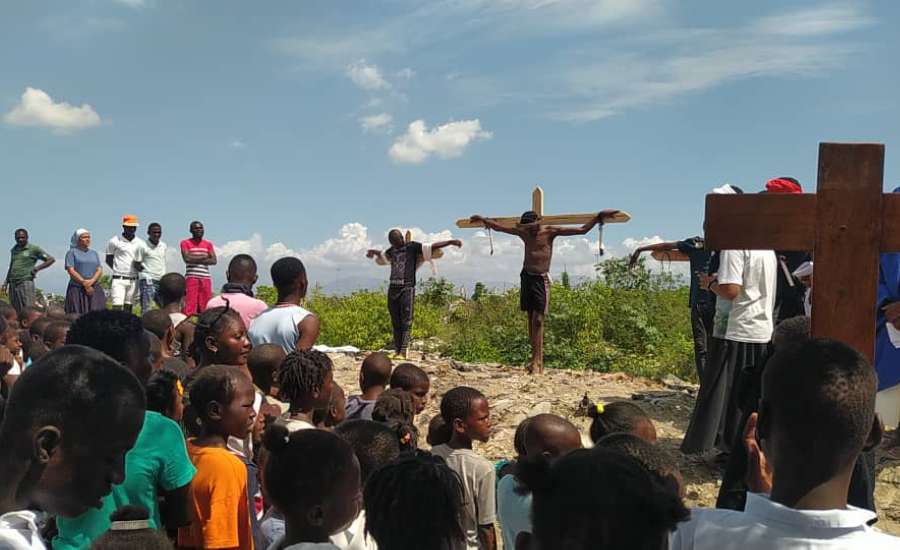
[(152, 258), (69, 422), (817, 414)]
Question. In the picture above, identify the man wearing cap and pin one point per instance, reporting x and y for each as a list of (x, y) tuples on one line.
[(23, 267), (123, 253)]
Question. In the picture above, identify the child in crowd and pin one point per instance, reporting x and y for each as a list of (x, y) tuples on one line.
[(544, 437), (375, 446), (165, 394), (9, 338), (396, 409), (313, 478), (221, 339), (467, 412), (263, 363), (415, 503), (335, 412), (816, 415), (238, 291), (55, 334), (620, 416), (411, 378), (374, 375), (652, 457), (159, 323), (438, 431), (29, 315), (158, 470), (223, 399), (306, 380), (597, 499), (130, 530), (37, 348), (507, 467), (287, 323), (75, 395), (170, 298), (8, 313)]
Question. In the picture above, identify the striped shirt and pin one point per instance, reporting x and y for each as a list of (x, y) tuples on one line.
[(197, 270)]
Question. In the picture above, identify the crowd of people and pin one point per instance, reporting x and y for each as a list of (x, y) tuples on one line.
[(213, 422)]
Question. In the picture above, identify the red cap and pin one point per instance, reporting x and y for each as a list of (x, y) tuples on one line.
[(783, 185)]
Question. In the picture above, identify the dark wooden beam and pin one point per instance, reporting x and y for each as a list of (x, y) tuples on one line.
[(760, 222), (848, 238)]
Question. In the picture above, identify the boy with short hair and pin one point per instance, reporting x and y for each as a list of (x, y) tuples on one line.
[(410, 378), (160, 324), (263, 363), (74, 411), (55, 334), (171, 301), (123, 256), (198, 254), (374, 374), (152, 257), (816, 415), (238, 290), (468, 413)]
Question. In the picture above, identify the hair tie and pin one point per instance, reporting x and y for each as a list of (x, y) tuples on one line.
[(130, 525), (600, 408), (179, 388)]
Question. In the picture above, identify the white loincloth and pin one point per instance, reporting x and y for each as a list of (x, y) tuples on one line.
[(887, 405)]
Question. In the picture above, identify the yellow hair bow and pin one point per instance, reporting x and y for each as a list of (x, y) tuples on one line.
[(600, 408), (179, 388)]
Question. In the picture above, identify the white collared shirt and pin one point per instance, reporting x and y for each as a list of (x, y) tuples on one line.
[(19, 531), (771, 526), (354, 537)]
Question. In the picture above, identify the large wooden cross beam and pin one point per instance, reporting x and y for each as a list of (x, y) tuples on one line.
[(847, 223), (537, 205)]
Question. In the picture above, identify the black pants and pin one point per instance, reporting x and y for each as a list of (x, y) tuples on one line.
[(701, 327), (401, 300)]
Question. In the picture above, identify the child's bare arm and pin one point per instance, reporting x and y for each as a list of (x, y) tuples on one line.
[(309, 332), (487, 537)]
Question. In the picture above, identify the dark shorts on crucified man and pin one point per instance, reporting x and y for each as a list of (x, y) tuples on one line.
[(534, 295)]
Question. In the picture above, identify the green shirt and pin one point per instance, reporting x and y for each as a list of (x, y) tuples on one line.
[(158, 461), (22, 261)]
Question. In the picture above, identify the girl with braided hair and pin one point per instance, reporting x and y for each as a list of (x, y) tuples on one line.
[(220, 339), (397, 515), (306, 381)]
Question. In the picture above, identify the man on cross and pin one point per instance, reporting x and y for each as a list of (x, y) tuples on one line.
[(535, 291)]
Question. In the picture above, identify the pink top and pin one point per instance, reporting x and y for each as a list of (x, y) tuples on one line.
[(197, 270), (247, 307)]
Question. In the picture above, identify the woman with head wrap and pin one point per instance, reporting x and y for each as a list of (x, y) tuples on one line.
[(84, 269)]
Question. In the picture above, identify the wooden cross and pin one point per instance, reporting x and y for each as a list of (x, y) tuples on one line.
[(847, 223), (537, 205)]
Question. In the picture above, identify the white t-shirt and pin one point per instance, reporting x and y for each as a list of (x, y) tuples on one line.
[(19, 531), (752, 311), (766, 525), (124, 253), (513, 510), (278, 325), (153, 259), (354, 537), (479, 485)]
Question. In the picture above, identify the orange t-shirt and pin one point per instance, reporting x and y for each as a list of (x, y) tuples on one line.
[(219, 497)]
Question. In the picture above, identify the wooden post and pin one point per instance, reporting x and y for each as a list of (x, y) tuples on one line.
[(537, 201)]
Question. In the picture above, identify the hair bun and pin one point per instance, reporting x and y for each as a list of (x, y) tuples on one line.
[(276, 437)]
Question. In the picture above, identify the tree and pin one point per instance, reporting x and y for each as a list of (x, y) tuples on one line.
[(564, 279), (616, 274), (479, 291)]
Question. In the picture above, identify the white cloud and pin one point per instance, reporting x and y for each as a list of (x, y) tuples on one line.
[(446, 141), (817, 21), (374, 123), (406, 73), (237, 144), (367, 77), (631, 244), (37, 108)]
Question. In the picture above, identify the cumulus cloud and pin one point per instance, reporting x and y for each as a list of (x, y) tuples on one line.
[(367, 77), (631, 244), (375, 123), (446, 141), (37, 108)]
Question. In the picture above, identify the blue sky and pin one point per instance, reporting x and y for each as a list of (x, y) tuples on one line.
[(312, 127)]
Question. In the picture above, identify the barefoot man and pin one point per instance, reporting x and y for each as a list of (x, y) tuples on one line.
[(535, 291)]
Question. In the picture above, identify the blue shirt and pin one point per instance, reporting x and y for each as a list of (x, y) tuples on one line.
[(85, 262), (699, 258)]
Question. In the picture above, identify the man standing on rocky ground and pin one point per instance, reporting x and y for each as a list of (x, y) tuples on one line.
[(23, 267), (535, 276)]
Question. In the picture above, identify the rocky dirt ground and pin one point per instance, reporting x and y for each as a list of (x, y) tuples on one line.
[(514, 395)]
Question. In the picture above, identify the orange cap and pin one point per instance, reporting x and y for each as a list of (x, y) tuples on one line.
[(130, 220)]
